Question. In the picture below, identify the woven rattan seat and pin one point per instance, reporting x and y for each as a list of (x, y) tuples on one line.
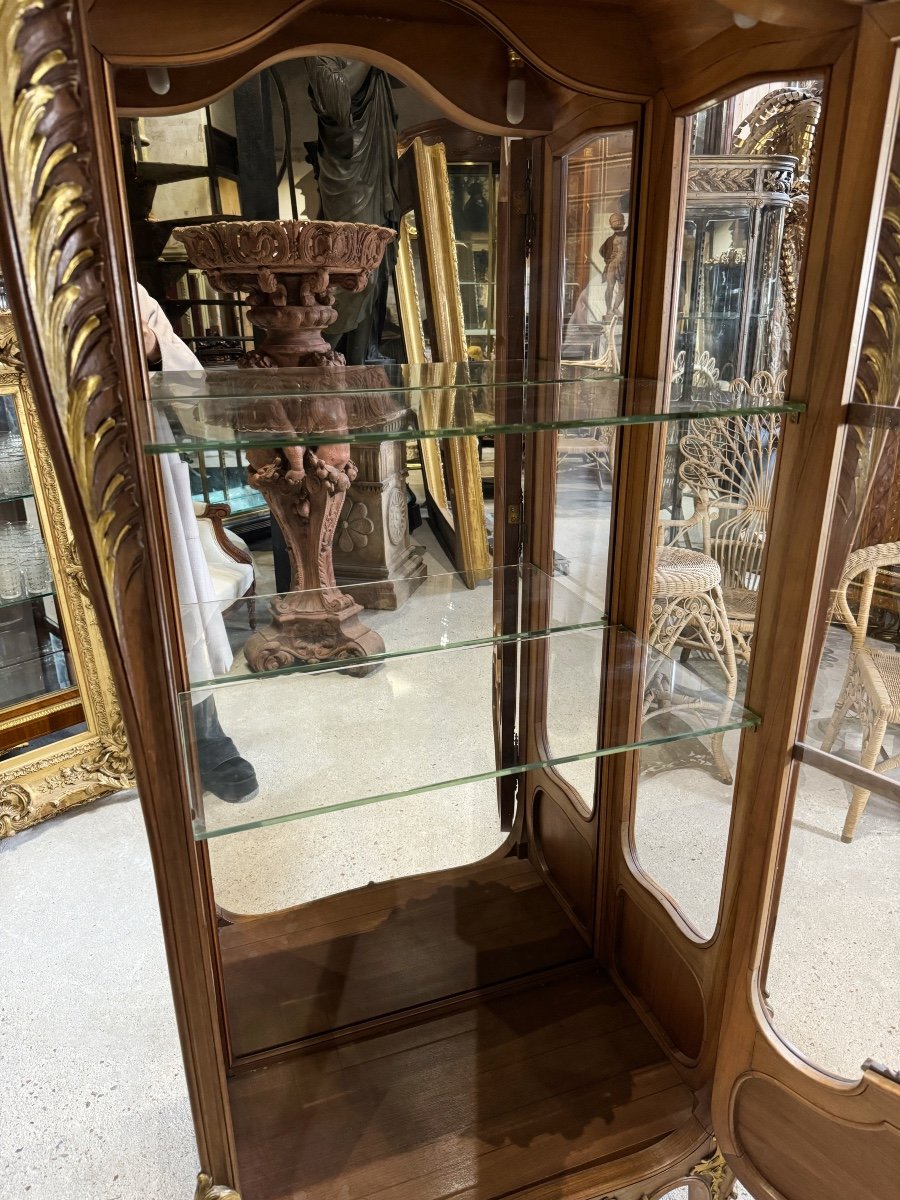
[(689, 612), (680, 572), (741, 604)]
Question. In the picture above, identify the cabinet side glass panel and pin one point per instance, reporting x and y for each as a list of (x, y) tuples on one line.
[(599, 179), (833, 986), (746, 208)]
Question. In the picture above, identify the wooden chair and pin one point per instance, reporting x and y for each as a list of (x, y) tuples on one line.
[(588, 447), (871, 688), (228, 558)]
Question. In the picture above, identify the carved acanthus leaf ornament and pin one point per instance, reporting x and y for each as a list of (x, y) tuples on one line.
[(50, 167)]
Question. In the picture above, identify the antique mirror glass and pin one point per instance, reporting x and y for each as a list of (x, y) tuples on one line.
[(745, 214), (38, 695)]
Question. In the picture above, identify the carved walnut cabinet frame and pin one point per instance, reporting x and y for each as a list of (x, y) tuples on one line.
[(789, 1131)]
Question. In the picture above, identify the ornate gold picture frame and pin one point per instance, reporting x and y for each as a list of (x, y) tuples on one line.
[(451, 469), (40, 783)]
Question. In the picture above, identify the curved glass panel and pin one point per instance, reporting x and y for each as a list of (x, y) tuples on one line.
[(744, 223), (833, 985)]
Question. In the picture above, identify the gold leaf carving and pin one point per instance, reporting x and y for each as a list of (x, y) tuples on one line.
[(49, 160), (715, 1173), (207, 1190)]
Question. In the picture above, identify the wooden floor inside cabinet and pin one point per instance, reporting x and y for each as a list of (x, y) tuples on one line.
[(530, 1087), (388, 948)]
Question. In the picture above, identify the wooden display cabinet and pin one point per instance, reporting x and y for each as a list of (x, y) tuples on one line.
[(543, 1022)]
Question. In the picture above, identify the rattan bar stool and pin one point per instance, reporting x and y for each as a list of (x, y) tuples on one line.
[(689, 610)]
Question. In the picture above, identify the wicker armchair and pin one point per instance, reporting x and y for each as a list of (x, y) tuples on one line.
[(728, 467), (871, 687)]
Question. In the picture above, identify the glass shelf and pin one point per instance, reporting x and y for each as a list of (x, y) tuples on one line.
[(326, 741), (16, 496), (25, 599), (309, 406), (33, 674), (444, 614)]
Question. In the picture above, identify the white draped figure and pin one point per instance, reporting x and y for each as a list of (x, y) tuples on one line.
[(205, 639)]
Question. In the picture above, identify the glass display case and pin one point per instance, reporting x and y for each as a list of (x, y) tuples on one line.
[(418, 943), (729, 321)]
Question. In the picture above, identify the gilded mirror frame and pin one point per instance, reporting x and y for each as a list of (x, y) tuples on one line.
[(451, 469), (38, 784)]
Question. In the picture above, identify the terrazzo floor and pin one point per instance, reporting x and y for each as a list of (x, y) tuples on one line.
[(93, 1105)]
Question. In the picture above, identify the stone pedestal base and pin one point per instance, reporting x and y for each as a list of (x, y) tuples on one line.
[(312, 637), (372, 547), (386, 588)]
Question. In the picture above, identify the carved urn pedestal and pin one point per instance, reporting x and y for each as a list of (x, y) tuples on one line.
[(289, 269)]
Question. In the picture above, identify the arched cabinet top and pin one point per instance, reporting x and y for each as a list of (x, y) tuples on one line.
[(457, 51)]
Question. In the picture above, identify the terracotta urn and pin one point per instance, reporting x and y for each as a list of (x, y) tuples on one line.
[(289, 270)]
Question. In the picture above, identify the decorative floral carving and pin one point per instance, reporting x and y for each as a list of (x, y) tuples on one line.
[(397, 519), (715, 1173), (109, 763), (356, 527), (15, 805), (764, 178), (720, 179), (778, 180), (335, 246)]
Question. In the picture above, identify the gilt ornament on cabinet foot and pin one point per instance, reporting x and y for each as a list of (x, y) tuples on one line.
[(290, 269), (207, 1190), (716, 1174)]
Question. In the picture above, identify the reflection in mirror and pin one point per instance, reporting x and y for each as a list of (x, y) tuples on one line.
[(342, 888), (446, 251), (595, 278), (744, 224), (39, 700), (833, 986)]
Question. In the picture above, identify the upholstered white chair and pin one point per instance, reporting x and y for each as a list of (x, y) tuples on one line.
[(228, 558)]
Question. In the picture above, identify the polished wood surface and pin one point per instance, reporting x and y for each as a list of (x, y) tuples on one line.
[(483, 1102), (388, 947)]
